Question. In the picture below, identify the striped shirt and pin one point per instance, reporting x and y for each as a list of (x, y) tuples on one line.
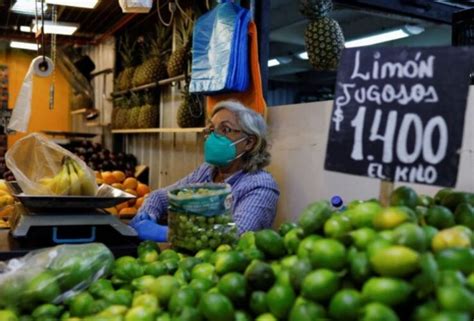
[(254, 197)]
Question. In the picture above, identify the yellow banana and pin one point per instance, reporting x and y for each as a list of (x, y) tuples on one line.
[(74, 178), (63, 182), (88, 186)]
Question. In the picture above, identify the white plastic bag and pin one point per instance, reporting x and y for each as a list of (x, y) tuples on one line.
[(35, 158), (136, 6)]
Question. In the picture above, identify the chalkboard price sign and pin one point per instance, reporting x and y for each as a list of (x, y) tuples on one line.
[(399, 113)]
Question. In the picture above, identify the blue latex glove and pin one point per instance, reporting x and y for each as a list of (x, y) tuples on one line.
[(149, 230), (143, 216)]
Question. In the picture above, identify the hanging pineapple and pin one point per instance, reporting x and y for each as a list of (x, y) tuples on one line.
[(155, 57), (178, 61), (324, 39), (122, 114), (148, 117), (191, 111), (127, 54), (134, 111)]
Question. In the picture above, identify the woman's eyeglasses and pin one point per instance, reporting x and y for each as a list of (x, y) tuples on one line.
[(220, 130)]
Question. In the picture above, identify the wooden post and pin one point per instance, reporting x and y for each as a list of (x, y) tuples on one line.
[(386, 189)]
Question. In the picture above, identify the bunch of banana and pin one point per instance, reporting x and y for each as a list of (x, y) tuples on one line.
[(71, 180)]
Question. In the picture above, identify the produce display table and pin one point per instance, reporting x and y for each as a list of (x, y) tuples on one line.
[(10, 247)]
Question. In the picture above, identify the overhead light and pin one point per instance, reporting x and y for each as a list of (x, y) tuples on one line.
[(273, 62), (303, 55), (27, 7), (24, 45), (88, 4), (25, 29), (404, 32), (378, 38), (58, 28)]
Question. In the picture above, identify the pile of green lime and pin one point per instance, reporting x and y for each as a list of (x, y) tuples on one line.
[(412, 260)]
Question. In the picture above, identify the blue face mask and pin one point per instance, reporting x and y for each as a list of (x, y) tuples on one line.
[(220, 150)]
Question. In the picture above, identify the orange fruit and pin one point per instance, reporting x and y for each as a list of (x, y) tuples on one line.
[(131, 191), (119, 176), (98, 174), (142, 189), (99, 181), (130, 183), (139, 202), (118, 185), (108, 178), (121, 206), (128, 212), (112, 210)]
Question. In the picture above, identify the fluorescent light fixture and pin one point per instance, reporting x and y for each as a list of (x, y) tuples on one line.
[(303, 55), (27, 7), (273, 62), (88, 4), (59, 28), (25, 29), (24, 45), (378, 38)]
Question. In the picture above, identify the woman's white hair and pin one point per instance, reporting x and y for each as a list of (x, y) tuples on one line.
[(252, 124)]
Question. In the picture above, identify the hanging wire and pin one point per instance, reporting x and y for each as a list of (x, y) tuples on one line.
[(42, 31), (172, 9), (207, 5), (53, 58)]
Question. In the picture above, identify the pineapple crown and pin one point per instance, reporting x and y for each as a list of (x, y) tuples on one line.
[(126, 50), (184, 27), (160, 42), (314, 9)]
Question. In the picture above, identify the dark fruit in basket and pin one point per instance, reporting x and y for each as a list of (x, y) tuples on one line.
[(106, 152), (129, 173), (94, 158), (120, 156), (89, 152)]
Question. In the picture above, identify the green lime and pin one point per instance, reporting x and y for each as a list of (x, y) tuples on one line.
[(362, 214), (204, 255), (224, 248), (280, 299), (242, 316), (461, 259), (390, 218), (99, 287), (260, 275), (455, 298), (204, 271), (119, 297), (307, 311), (258, 302), (234, 286), (464, 215), (119, 310), (441, 194), (425, 311), (156, 269), (440, 217), (388, 235), (184, 297), (396, 260), (451, 278), (430, 232), (43, 288), (266, 317), (389, 291), (140, 313), (143, 283), (188, 313), (426, 280), (164, 317), (81, 305), (286, 227), (145, 300), (320, 285), (363, 236), (454, 237), (216, 307), (292, 240), (337, 227), (12, 290), (182, 276), (345, 305), (470, 281), (452, 200), (270, 243), (288, 261), (171, 265), (47, 310), (246, 241), (425, 201), (201, 285), (169, 254), (404, 196), (189, 262), (306, 245), (164, 288), (360, 269), (377, 245), (230, 261), (328, 253), (7, 315), (298, 271), (376, 311), (127, 268), (450, 316), (410, 235), (314, 216)]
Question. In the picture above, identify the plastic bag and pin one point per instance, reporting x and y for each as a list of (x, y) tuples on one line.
[(52, 275), (199, 217), (136, 6), (35, 158), (220, 51)]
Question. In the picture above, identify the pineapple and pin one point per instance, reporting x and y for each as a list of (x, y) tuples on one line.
[(324, 42), (177, 63), (122, 115), (148, 117), (153, 67), (313, 9), (190, 112), (134, 112), (127, 51)]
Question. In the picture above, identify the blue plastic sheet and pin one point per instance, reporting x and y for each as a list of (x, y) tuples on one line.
[(221, 51)]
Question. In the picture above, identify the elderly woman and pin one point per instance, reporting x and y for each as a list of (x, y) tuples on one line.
[(235, 152)]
